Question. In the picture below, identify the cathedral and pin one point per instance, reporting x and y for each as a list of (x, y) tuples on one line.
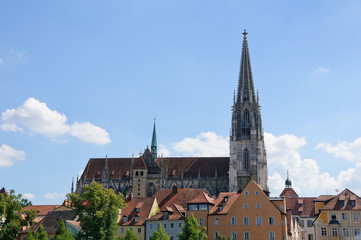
[(145, 174)]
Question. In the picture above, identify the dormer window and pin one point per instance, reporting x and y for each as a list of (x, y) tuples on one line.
[(226, 199), (136, 219), (353, 203), (342, 203), (165, 216), (220, 207), (137, 210), (125, 219)]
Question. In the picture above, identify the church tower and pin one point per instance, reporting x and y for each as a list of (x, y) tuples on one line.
[(248, 158)]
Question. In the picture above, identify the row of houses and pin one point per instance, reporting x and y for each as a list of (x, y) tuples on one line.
[(248, 214)]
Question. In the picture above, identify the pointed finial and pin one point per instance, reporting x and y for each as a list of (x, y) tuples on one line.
[(245, 34)]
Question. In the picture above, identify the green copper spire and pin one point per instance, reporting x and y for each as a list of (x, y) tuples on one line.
[(154, 143)]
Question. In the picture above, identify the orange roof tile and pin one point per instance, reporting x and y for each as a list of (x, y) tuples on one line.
[(130, 211), (42, 210)]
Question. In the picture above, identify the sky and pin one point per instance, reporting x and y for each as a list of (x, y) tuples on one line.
[(85, 79)]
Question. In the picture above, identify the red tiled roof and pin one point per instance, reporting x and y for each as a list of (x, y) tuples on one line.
[(117, 167), (130, 211), (288, 192), (166, 197), (139, 163), (75, 224), (345, 196), (3, 190), (323, 198), (175, 212), (41, 210), (220, 201)]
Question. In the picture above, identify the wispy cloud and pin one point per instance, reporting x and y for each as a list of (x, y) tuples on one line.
[(350, 151), (39, 118), (29, 196), (19, 55), (321, 70), (55, 195), (8, 155)]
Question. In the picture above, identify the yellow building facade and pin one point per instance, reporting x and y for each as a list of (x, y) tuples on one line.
[(250, 214)]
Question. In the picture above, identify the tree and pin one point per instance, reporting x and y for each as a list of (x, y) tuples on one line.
[(40, 234), (97, 209), (11, 221), (160, 234), (129, 235), (191, 230), (62, 234)]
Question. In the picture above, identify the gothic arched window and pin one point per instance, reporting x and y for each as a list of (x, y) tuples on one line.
[(246, 159), (246, 116)]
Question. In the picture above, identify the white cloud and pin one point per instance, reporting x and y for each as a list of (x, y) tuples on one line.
[(55, 195), (206, 144), (321, 70), (305, 174), (8, 155), (29, 196), (38, 118), (348, 150), (351, 178), (6, 127), (164, 150)]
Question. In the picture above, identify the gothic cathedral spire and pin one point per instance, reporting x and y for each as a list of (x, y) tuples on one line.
[(248, 160), (153, 147)]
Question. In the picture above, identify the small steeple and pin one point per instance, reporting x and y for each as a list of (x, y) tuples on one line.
[(288, 182), (153, 146)]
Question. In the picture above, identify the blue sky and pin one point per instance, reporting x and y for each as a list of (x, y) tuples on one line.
[(83, 79)]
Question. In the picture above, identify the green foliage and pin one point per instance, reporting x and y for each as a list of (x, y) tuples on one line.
[(129, 235), (11, 221), (40, 234), (62, 234), (160, 234), (97, 209), (191, 230)]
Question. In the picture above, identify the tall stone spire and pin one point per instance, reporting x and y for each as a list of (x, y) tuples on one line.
[(248, 160), (245, 90), (153, 146)]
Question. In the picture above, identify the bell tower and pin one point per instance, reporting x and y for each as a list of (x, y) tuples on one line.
[(248, 159)]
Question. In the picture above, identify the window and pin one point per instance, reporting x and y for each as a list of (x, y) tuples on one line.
[(171, 225), (323, 231), (137, 210), (246, 116), (271, 235), (171, 238), (353, 203), (258, 220), (216, 221), (136, 219), (165, 225), (139, 230), (333, 216), (122, 230), (201, 222), (125, 219), (309, 223), (281, 207), (246, 159), (131, 229), (141, 173), (258, 206), (346, 232), (245, 221), (234, 221), (165, 215), (246, 193), (216, 235), (136, 173), (180, 225), (151, 226), (271, 221), (234, 235), (256, 193), (225, 199), (192, 207), (246, 235), (220, 207), (344, 216), (203, 207), (334, 232), (355, 217), (245, 206), (342, 203), (310, 237), (356, 232)]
